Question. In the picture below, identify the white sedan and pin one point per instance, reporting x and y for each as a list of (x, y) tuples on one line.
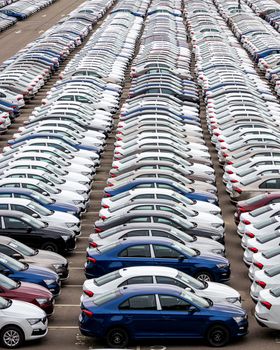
[(217, 292), (264, 260), (21, 321), (268, 308), (265, 279)]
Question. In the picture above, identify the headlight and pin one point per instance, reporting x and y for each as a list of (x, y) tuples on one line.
[(33, 321), (218, 251), (49, 282), (71, 212), (85, 173), (238, 319), (215, 238), (222, 266), (214, 212), (232, 300), (41, 301), (77, 202), (65, 238), (57, 266), (70, 224), (81, 192), (217, 225)]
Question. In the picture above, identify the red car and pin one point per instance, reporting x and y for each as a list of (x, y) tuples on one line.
[(29, 292), (254, 203)]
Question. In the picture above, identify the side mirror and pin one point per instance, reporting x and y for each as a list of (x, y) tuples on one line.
[(6, 272), (29, 229), (34, 215), (192, 309), (17, 256), (44, 193), (181, 258)]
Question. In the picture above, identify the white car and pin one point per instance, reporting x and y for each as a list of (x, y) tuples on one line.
[(203, 244), (128, 197), (268, 308), (260, 244), (265, 279), (217, 292), (53, 218), (264, 260), (20, 321)]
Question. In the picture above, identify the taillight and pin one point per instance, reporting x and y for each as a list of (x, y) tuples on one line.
[(229, 172), (112, 175), (93, 244), (229, 162), (266, 304), (93, 260), (261, 284), (253, 249), (103, 217), (115, 167), (259, 265), (246, 222), (108, 194), (98, 230), (89, 293), (233, 181), (105, 206), (238, 190), (110, 184), (243, 210), (250, 234), (87, 313)]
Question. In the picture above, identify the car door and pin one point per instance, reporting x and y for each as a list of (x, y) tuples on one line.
[(177, 320), (135, 255), (141, 315), (168, 256)]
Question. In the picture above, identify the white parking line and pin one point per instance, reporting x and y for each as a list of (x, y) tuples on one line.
[(67, 305), (73, 285), (18, 31), (44, 15), (76, 268), (51, 328)]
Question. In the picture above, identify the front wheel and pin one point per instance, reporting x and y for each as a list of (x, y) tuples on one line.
[(204, 276), (218, 336), (117, 338), (50, 246), (11, 337)]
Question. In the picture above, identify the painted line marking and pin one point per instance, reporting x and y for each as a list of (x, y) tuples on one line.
[(79, 252), (76, 268), (44, 15), (41, 31), (67, 305), (73, 285), (18, 31), (62, 327)]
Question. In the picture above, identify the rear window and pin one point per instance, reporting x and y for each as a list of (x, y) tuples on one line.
[(260, 211), (269, 237), (271, 253), (273, 271), (265, 223), (255, 199), (105, 298), (275, 292), (109, 277)]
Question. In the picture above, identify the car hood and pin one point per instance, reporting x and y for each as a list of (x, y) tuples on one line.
[(60, 230), (213, 258), (231, 310), (220, 290), (36, 273), (24, 310), (45, 258), (34, 290)]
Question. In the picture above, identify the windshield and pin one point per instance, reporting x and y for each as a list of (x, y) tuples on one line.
[(39, 209), (41, 198), (7, 283), (4, 304), (11, 263), (22, 248), (182, 198), (195, 299), (109, 277), (33, 222), (55, 170), (48, 188), (184, 249), (190, 281), (53, 179)]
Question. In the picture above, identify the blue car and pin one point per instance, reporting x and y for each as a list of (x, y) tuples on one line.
[(59, 136), (160, 183), (149, 251), (22, 272), (137, 312), (13, 192)]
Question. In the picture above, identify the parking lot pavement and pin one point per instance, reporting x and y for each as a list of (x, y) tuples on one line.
[(15, 38)]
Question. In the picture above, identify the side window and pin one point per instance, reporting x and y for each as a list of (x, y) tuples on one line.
[(4, 207), (140, 302), (137, 280), (32, 187), (5, 195), (12, 185), (141, 219), (164, 186), (160, 220), (144, 196), (162, 251), (6, 250), (276, 200), (137, 251), (157, 233), (171, 303), (136, 233), (146, 186), (273, 183), (143, 207), (22, 209), (168, 280), (13, 223)]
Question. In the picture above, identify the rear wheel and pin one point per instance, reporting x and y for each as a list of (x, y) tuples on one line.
[(50, 246), (11, 337), (218, 336), (117, 338)]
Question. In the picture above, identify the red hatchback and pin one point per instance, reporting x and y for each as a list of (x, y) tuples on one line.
[(29, 292), (254, 203)]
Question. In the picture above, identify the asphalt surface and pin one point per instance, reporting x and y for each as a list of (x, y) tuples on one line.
[(63, 325)]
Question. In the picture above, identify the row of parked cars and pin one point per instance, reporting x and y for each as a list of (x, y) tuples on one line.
[(157, 252), (46, 178), (22, 9), (23, 74), (241, 112), (269, 10)]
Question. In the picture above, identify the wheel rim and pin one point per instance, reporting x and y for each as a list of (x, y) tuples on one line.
[(50, 248), (11, 338), (204, 277), (117, 338), (217, 336)]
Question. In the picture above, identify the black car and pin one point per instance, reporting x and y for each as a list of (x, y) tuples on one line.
[(34, 233)]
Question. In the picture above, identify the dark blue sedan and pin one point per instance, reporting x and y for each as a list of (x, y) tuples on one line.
[(149, 251), (22, 272), (142, 312), (161, 183)]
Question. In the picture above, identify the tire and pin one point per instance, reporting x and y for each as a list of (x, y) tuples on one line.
[(204, 276), (218, 336), (50, 246), (11, 337), (117, 338)]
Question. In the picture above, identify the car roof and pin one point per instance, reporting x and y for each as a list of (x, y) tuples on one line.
[(147, 288), (142, 270)]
